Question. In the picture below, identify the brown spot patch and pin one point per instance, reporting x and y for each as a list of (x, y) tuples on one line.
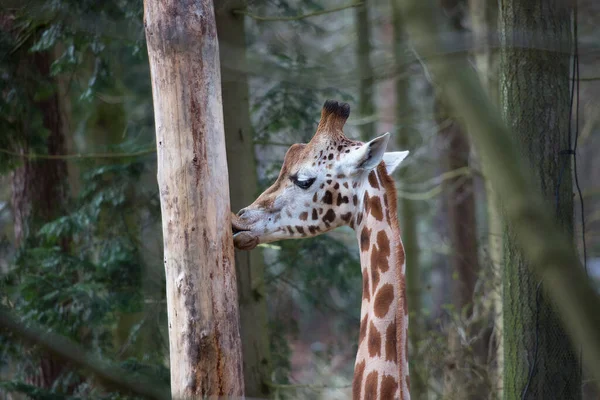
[(330, 157), (366, 289), (375, 207), (315, 197), (378, 261), (390, 343), (371, 386), (300, 230), (329, 216), (367, 203), (359, 371), (374, 341), (312, 229), (346, 185), (336, 186), (383, 243), (290, 230), (374, 277), (304, 216), (380, 253), (329, 181), (314, 214), (373, 180), (355, 200), (383, 300), (342, 199), (388, 387), (327, 198), (363, 329), (346, 217), (365, 239), (340, 176)]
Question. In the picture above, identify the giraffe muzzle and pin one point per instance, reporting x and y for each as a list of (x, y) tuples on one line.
[(243, 238)]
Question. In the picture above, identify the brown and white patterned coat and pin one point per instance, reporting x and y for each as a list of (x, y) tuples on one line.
[(334, 181)]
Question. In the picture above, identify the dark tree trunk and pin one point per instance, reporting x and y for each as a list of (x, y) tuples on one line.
[(536, 37), (366, 108), (243, 187), (39, 187)]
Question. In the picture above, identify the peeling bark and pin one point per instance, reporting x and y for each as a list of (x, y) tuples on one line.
[(205, 346)]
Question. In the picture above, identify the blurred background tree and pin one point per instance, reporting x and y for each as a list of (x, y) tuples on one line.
[(80, 240)]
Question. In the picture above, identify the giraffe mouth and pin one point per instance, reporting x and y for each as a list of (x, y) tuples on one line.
[(243, 238)]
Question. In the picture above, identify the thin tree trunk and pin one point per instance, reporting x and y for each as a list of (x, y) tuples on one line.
[(484, 17), (205, 345), (366, 108), (243, 187), (409, 214), (534, 80), (460, 381), (40, 187)]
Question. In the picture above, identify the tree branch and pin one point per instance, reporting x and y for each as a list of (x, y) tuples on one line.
[(296, 17), (109, 375), (34, 156)]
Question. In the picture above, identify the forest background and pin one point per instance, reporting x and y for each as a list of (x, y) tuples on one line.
[(80, 235)]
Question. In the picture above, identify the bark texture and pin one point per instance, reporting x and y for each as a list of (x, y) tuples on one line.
[(366, 108), (409, 214), (39, 187), (534, 86), (205, 346), (243, 187)]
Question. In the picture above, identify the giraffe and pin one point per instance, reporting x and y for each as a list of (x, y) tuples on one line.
[(334, 181)]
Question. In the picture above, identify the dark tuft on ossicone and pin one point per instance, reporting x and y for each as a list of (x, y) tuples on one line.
[(339, 109)]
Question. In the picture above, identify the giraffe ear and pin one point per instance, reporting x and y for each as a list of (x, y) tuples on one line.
[(392, 159), (371, 153)]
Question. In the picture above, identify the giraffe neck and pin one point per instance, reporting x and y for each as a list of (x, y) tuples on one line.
[(381, 369)]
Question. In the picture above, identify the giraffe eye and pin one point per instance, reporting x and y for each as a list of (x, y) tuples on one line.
[(302, 183)]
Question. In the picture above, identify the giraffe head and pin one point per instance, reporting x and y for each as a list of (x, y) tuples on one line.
[(319, 186)]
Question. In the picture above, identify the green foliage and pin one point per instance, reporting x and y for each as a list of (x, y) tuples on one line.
[(86, 274)]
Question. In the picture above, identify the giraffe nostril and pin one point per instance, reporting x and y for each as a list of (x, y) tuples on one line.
[(241, 212)]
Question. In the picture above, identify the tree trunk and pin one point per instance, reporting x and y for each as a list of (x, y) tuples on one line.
[(460, 381), (534, 81), (243, 187), (484, 23), (366, 108), (205, 346), (40, 187), (409, 214)]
